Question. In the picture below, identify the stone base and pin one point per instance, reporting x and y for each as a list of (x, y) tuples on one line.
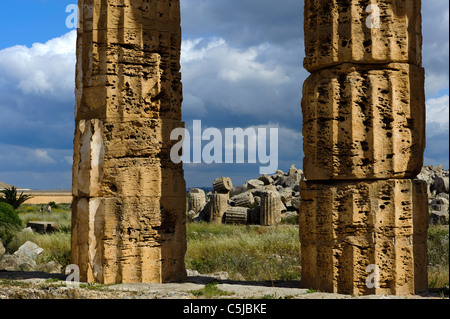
[(130, 239), (347, 227)]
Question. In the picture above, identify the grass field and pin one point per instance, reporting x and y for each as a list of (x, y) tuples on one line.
[(245, 252), (252, 253)]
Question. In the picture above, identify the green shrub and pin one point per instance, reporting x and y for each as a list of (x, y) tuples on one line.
[(53, 205), (7, 234), (8, 215), (438, 246)]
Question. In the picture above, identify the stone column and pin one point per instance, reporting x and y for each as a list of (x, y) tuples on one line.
[(363, 219), (219, 206), (197, 200), (128, 219), (223, 185), (270, 209), (236, 215)]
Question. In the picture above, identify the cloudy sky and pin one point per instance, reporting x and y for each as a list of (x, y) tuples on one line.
[(241, 64)]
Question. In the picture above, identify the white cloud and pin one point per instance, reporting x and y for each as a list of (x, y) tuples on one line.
[(15, 158), (193, 105), (228, 63), (68, 159), (45, 69), (438, 114), (436, 45), (247, 81), (41, 156)]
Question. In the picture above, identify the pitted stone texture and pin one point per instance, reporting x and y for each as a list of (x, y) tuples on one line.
[(197, 200), (222, 185), (236, 215), (110, 244), (130, 54), (245, 199), (271, 207), (336, 32), (127, 158), (218, 207), (128, 221), (364, 122), (347, 226)]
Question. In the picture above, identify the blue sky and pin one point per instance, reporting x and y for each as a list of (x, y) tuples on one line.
[(241, 64)]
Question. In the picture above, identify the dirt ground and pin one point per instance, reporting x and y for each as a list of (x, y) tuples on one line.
[(39, 285)]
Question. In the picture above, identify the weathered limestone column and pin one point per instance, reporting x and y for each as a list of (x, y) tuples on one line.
[(363, 219), (270, 209), (128, 219), (219, 206), (197, 200), (223, 185), (245, 199), (236, 215)]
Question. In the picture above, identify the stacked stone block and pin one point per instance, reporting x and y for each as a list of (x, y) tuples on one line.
[(364, 138), (128, 222)]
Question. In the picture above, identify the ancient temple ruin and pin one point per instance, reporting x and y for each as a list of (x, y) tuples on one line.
[(129, 207), (363, 108), (364, 138)]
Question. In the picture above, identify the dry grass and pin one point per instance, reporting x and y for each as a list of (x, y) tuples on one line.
[(245, 252), (56, 246), (438, 257)]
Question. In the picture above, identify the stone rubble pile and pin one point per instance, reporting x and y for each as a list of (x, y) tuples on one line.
[(262, 201), (270, 198), (437, 179)]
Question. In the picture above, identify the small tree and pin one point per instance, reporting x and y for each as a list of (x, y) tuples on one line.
[(11, 198)]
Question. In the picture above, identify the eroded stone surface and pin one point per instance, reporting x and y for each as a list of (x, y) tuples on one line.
[(197, 200), (218, 207), (270, 210), (338, 32), (128, 221), (347, 226), (364, 122)]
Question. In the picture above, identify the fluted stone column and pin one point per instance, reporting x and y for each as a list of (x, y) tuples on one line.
[(245, 199), (363, 219), (236, 215), (218, 207), (270, 210), (197, 200), (128, 222)]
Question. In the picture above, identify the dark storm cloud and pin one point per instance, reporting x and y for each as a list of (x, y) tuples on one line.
[(241, 65), (244, 23)]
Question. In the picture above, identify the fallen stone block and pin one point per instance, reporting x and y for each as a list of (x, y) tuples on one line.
[(30, 250), (42, 227)]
